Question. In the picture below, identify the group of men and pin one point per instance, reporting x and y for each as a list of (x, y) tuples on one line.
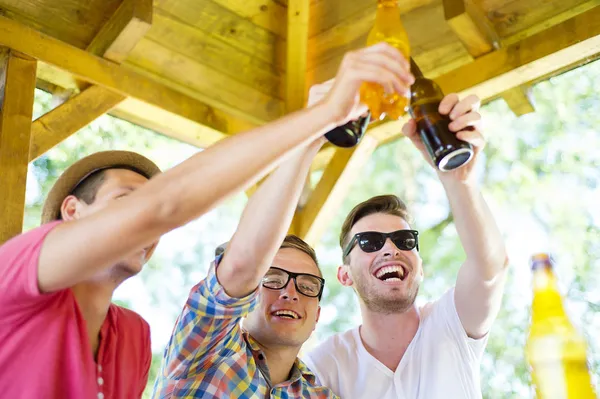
[(242, 327)]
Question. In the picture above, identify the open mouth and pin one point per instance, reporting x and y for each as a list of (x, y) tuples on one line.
[(391, 273), (287, 314)]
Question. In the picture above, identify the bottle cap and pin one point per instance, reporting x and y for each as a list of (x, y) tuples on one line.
[(541, 260)]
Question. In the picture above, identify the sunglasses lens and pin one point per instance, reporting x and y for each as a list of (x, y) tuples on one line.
[(371, 241), (404, 240), (275, 279), (309, 285)]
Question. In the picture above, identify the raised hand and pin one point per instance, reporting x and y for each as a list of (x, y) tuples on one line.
[(466, 123), (380, 63)]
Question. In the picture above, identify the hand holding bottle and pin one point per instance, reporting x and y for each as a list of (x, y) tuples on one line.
[(381, 64), (465, 123)]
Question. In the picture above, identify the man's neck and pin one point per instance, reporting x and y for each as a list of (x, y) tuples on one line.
[(280, 361), (94, 300), (387, 336)]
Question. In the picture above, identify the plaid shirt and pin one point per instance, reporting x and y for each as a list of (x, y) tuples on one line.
[(210, 356)]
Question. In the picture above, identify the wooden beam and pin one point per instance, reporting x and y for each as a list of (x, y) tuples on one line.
[(297, 44), (123, 30), (331, 189), (65, 120), (105, 73), (519, 100), (471, 26), (15, 134), (566, 43)]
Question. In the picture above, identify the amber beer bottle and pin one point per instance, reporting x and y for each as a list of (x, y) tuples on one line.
[(555, 351), (447, 152), (388, 28)]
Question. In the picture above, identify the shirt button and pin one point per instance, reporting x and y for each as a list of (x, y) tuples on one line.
[(100, 381), (261, 357), (100, 395)]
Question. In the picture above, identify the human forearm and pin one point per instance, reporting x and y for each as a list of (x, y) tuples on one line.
[(479, 234), (264, 224)]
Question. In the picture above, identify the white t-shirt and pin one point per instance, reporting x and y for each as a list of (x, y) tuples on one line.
[(441, 362)]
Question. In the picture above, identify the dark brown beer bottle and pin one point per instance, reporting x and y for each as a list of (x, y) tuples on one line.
[(446, 151), (349, 134)]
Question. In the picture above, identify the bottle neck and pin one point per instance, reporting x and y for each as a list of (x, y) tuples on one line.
[(387, 3), (414, 68), (547, 301)]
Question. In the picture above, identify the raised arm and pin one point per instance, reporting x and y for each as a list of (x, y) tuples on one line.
[(480, 282), (77, 250)]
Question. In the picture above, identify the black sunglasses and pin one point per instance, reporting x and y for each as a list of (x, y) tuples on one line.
[(371, 241), (306, 284)]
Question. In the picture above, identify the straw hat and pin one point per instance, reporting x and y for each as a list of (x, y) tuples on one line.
[(83, 168)]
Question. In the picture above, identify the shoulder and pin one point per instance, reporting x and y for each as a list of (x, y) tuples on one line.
[(18, 246), (127, 319), (338, 348)]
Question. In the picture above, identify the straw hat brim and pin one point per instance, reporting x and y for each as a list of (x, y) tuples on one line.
[(83, 168)]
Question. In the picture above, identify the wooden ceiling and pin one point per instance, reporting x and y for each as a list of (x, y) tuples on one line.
[(200, 70)]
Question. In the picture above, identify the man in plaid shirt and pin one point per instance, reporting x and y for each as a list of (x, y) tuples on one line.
[(275, 288)]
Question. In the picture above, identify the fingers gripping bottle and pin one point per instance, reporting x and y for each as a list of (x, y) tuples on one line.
[(446, 151), (388, 28), (555, 351)]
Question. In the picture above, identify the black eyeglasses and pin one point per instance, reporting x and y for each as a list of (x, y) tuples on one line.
[(306, 284), (371, 241)]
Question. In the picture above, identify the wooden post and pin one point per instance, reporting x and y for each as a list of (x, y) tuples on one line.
[(18, 88)]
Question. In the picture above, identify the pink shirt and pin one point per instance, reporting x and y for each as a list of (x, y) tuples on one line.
[(44, 346)]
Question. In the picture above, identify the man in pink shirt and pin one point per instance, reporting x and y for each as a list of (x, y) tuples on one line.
[(60, 336)]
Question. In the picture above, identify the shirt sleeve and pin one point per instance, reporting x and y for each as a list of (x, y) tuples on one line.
[(207, 330), (19, 269)]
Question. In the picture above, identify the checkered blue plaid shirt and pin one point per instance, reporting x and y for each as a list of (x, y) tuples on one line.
[(210, 356)]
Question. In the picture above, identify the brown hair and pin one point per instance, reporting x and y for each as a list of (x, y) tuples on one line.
[(86, 190), (387, 204), (290, 241), (295, 242)]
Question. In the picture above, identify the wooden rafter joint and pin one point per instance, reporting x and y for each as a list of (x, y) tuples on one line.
[(519, 100), (471, 26)]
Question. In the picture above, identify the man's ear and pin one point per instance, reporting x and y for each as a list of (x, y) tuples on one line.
[(344, 275), (318, 315), (70, 208)]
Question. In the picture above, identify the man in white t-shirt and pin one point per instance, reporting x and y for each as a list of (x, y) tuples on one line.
[(400, 350)]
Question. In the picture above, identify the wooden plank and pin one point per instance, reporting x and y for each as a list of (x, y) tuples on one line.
[(71, 21), (212, 52), (331, 189), (123, 30), (298, 16), (105, 73), (575, 39), (551, 20), (65, 120), (15, 133), (471, 26), (329, 14), (267, 14), (519, 100), (511, 17), (239, 33), (208, 85)]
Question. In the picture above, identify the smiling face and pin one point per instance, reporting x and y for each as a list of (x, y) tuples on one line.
[(285, 317), (386, 281), (106, 187)]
